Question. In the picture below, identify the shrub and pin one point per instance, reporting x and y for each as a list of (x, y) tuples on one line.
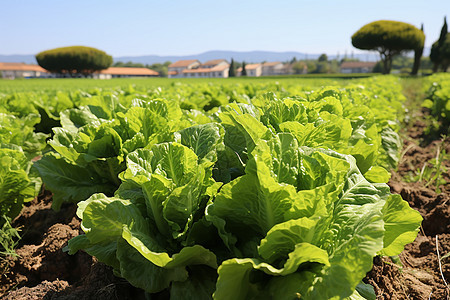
[(74, 60)]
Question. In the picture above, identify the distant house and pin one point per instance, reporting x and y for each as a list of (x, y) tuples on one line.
[(348, 67), (21, 70), (219, 71), (176, 69), (123, 72), (217, 68), (214, 63), (253, 70), (273, 68)]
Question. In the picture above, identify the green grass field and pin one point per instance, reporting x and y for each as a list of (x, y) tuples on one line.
[(43, 85)]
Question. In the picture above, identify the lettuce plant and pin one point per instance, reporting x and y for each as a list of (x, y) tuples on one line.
[(19, 144), (17, 185), (91, 146), (280, 196), (20, 132), (298, 222), (438, 101)]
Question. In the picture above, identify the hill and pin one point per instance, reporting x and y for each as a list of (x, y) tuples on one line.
[(247, 56)]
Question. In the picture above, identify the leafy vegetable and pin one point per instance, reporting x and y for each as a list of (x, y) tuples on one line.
[(91, 150), (291, 225), (438, 101), (16, 187), (245, 191)]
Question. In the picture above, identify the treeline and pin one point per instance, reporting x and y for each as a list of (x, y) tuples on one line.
[(322, 65), (400, 64)]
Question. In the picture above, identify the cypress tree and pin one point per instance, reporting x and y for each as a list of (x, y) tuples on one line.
[(444, 31), (244, 71), (417, 56), (441, 41), (232, 71)]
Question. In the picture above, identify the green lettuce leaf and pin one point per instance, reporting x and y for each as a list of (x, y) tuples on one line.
[(70, 182), (401, 224), (16, 187)]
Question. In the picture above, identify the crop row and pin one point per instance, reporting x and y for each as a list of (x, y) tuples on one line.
[(248, 192), (437, 94)]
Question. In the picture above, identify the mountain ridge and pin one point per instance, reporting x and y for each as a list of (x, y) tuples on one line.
[(247, 56)]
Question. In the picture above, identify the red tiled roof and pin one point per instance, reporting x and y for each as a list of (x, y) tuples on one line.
[(214, 62), (271, 64), (183, 63), (252, 66), (198, 70), (219, 68), (357, 64), (249, 67), (129, 71), (207, 70), (21, 67)]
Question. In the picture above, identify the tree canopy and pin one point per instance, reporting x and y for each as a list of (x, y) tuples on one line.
[(74, 60), (389, 38), (323, 57)]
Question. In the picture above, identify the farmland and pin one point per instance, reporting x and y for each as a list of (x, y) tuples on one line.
[(232, 189)]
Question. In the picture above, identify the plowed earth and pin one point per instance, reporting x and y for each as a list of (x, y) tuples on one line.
[(417, 274), (43, 271)]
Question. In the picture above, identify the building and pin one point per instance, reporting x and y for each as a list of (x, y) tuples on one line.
[(176, 69), (214, 63), (348, 67), (21, 70), (123, 72), (220, 71), (253, 70), (273, 68), (217, 68)]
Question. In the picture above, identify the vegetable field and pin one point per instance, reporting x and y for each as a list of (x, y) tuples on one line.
[(225, 189)]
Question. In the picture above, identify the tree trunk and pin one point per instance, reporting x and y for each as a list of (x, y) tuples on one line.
[(387, 64), (386, 58), (435, 67), (417, 56)]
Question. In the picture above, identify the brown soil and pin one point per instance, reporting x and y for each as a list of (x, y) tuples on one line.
[(43, 270), (417, 273)]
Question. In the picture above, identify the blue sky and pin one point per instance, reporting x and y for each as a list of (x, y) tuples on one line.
[(182, 27)]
